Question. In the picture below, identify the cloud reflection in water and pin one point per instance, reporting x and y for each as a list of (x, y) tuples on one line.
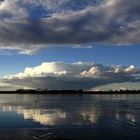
[(61, 110)]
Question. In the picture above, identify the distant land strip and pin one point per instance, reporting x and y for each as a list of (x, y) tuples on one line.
[(31, 91)]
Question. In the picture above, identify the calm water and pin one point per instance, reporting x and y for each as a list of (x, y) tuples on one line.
[(82, 117)]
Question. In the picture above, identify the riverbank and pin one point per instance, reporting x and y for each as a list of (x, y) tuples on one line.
[(69, 92)]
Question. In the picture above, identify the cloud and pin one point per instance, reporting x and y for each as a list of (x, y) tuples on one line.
[(42, 23), (79, 75), (115, 71), (118, 86)]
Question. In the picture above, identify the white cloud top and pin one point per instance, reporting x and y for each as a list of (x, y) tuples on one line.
[(80, 75)]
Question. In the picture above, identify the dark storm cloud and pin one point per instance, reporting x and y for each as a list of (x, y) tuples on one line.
[(65, 83), (108, 22)]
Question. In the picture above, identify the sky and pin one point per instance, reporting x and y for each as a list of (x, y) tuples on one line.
[(69, 44)]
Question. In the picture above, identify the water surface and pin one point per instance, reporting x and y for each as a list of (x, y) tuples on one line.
[(82, 117)]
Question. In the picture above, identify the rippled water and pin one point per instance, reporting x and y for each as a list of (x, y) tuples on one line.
[(82, 117)]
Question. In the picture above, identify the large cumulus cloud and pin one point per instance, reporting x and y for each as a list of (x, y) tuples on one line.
[(79, 75), (42, 23)]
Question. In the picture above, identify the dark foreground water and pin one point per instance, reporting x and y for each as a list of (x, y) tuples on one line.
[(78, 117)]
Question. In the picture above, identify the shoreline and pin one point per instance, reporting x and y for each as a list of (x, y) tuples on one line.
[(66, 92)]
